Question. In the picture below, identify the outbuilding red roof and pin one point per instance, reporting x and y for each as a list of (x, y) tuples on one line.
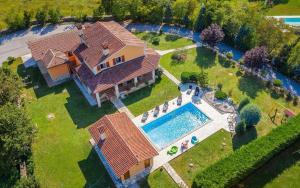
[(119, 73), (122, 143), (54, 58)]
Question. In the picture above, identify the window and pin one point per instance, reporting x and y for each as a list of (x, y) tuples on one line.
[(119, 60), (102, 66)]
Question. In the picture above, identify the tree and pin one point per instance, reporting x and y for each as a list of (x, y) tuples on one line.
[(200, 23), (26, 18), (243, 103), (168, 14), (10, 87), (54, 16), (41, 16), (107, 5), (245, 38), (15, 139), (212, 35), (120, 9), (98, 12), (203, 79), (250, 114), (256, 57), (180, 8), (294, 62), (14, 21)]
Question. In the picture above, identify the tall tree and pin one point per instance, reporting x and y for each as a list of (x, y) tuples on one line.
[(41, 16), (200, 23), (10, 87), (168, 14), (212, 35), (246, 38), (54, 15), (16, 134), (26, 18)]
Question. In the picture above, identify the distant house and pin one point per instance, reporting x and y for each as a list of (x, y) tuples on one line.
[(124, 149), (107, 59)]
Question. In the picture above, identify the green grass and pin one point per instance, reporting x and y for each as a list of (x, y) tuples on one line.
[(291, 7), (282, 171), (62, 154), (67, 7), (158, 178), (151, 96), (166, 41), (236, 84), (202, 155)]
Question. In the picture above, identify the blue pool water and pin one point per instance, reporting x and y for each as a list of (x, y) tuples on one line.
[(292, 21), (168, 128)]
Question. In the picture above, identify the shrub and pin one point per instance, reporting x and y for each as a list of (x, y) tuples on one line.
[(220, 95), (243, 103), (289, 96), (256, 57), (235, 167), (29, 182), (251, 114), (295, 100), (10, 60), (155, 40), (277, 83), (159, 72), (220, 86), (187, 77), (229, 55), (240, 127), (179, 56), (203, 79)]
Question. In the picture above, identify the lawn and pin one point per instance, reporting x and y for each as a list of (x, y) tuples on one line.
[(67, 7), (62, 154), (289, 7), (202, 155), (234, 83), (166, 41), (151, 96), (281, 171), (158, 178)]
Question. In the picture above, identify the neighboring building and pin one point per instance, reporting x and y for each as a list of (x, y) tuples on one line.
[(107, 59), (125, 151)]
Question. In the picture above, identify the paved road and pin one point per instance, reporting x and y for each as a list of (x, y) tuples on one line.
[(16, 44)]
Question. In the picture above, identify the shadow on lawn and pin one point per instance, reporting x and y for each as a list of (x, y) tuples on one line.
[(250, 85), (275, 167), (240, 140), (78, 108), (205, 58), (94, 172)]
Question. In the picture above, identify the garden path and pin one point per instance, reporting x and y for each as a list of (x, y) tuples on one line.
[(175, 176)]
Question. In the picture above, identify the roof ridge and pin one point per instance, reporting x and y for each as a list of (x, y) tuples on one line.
[(121, 136), (102, 24), (49, 36)]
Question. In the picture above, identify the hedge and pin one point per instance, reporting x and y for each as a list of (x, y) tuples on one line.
[(189, 77), (235, 167)]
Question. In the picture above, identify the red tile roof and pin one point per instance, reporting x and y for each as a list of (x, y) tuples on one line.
[(100, 34), (119, 73), (53, 58), (124, 145), (63, 42)]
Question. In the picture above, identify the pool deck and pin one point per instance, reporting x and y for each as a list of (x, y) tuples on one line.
[(217, 121)]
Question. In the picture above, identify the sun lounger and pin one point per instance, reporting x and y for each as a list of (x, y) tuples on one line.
[(165, 107), (189, 91), (145, 116), (156, 111), (197, 91), (179, 100), (173, 150)]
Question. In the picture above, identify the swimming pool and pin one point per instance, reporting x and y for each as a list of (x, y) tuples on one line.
[(172, 126), (292, 21)]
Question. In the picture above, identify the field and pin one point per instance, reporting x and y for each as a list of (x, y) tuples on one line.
[(288, 7), (68, 8)]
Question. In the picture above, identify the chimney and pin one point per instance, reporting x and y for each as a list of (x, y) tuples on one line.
[(102, 136), (105, 48)]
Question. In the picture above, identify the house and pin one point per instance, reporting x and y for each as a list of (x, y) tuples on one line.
[(124, 150), (104, 57)]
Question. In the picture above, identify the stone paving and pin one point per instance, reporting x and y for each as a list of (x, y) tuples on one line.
[(174, 175), (121, 107)]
